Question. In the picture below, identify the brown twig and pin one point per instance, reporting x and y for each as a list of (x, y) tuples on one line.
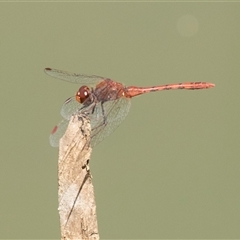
[(77, 208)]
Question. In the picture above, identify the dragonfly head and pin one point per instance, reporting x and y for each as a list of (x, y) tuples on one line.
[(83, 94)]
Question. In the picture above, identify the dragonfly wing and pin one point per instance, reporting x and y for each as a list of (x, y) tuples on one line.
[(73, 77), (70, 107), (107, 117), (57, 132), (104, 118)]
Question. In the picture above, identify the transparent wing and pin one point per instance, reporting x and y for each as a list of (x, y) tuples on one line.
[(69, 107), (57, 132), (107, 117), (73, 77), (104, 118)]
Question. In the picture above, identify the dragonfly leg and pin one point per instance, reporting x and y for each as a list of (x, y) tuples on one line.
[(103, 113)]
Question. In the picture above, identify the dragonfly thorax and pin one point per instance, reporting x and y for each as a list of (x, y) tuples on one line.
[(108, 90)]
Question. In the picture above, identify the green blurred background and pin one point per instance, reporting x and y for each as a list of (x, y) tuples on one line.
[(171, 170)]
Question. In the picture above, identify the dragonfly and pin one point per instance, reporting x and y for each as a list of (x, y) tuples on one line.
[(105, 101)]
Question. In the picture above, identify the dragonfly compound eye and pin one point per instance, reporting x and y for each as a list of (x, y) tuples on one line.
[(82, 94)]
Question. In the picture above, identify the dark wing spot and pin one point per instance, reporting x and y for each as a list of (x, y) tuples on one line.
[(54, 130)]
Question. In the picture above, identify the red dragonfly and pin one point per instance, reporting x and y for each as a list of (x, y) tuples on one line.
[(105, 101)]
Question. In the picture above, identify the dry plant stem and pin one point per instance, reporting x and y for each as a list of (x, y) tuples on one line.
[(77, 208)]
